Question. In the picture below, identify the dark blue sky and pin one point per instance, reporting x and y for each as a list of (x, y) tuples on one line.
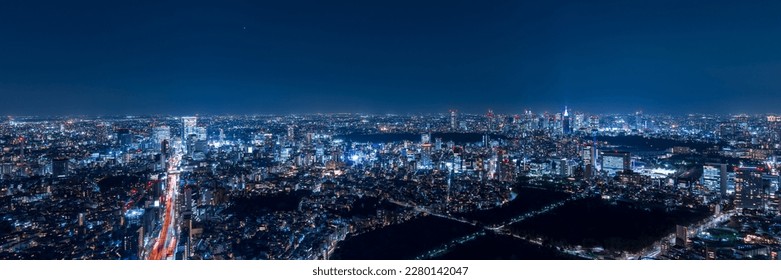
[(104, 57)]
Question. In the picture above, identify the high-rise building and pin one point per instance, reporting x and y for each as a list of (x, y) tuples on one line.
[(453, 120), (6, 168), (566, 125), (594, 123), (681, 235), (639, 122), (162, 133), (750, 189), (564, 168), (490, 119), (579, 121), (125, 138), (291, 132), (425, 138), (588, 155), (164, 154), (425, 153), (188, 126), (188, 129), (714, 177), (60, 167), (201, 133)]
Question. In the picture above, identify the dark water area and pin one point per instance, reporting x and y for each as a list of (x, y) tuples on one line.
[(255, 205), (458, 138), (403, 241), (615, 226), (640, 143), (502, 247), (526, 200)]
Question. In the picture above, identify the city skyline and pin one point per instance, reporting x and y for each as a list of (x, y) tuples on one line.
[(488, 111), (402, 57), (390, 130), (350, 186)]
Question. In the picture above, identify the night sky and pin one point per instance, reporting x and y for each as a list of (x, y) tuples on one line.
[(160, 57)]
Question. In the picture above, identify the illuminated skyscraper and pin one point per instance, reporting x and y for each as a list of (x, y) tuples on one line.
[(566, 125), (291, 132), (639, 122), (714, 177), (594, 123), (162, 133), (589, 163), (453, 121), (750, 189), (579, 123), (201, 133), (425, 138), (188, 128), (490, 119), (425, 153), (163, 153)]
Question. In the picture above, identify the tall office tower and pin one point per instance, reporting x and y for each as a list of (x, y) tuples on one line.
[(6, 168), (125, 138), (188, 125), (594, 122), (188, 128), (564, 168), (425, 138), (60, 167), (681, 235), (594, 148), (579, 121), (714, 177), (550, 123), (291, 132), (750, 189), (557, 124), (453, 120), (587, 155), (201, 134), (490, 119), (639, 121), (163, 154), (540, 122), (566, 125), (425, 153), (161, 133)]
